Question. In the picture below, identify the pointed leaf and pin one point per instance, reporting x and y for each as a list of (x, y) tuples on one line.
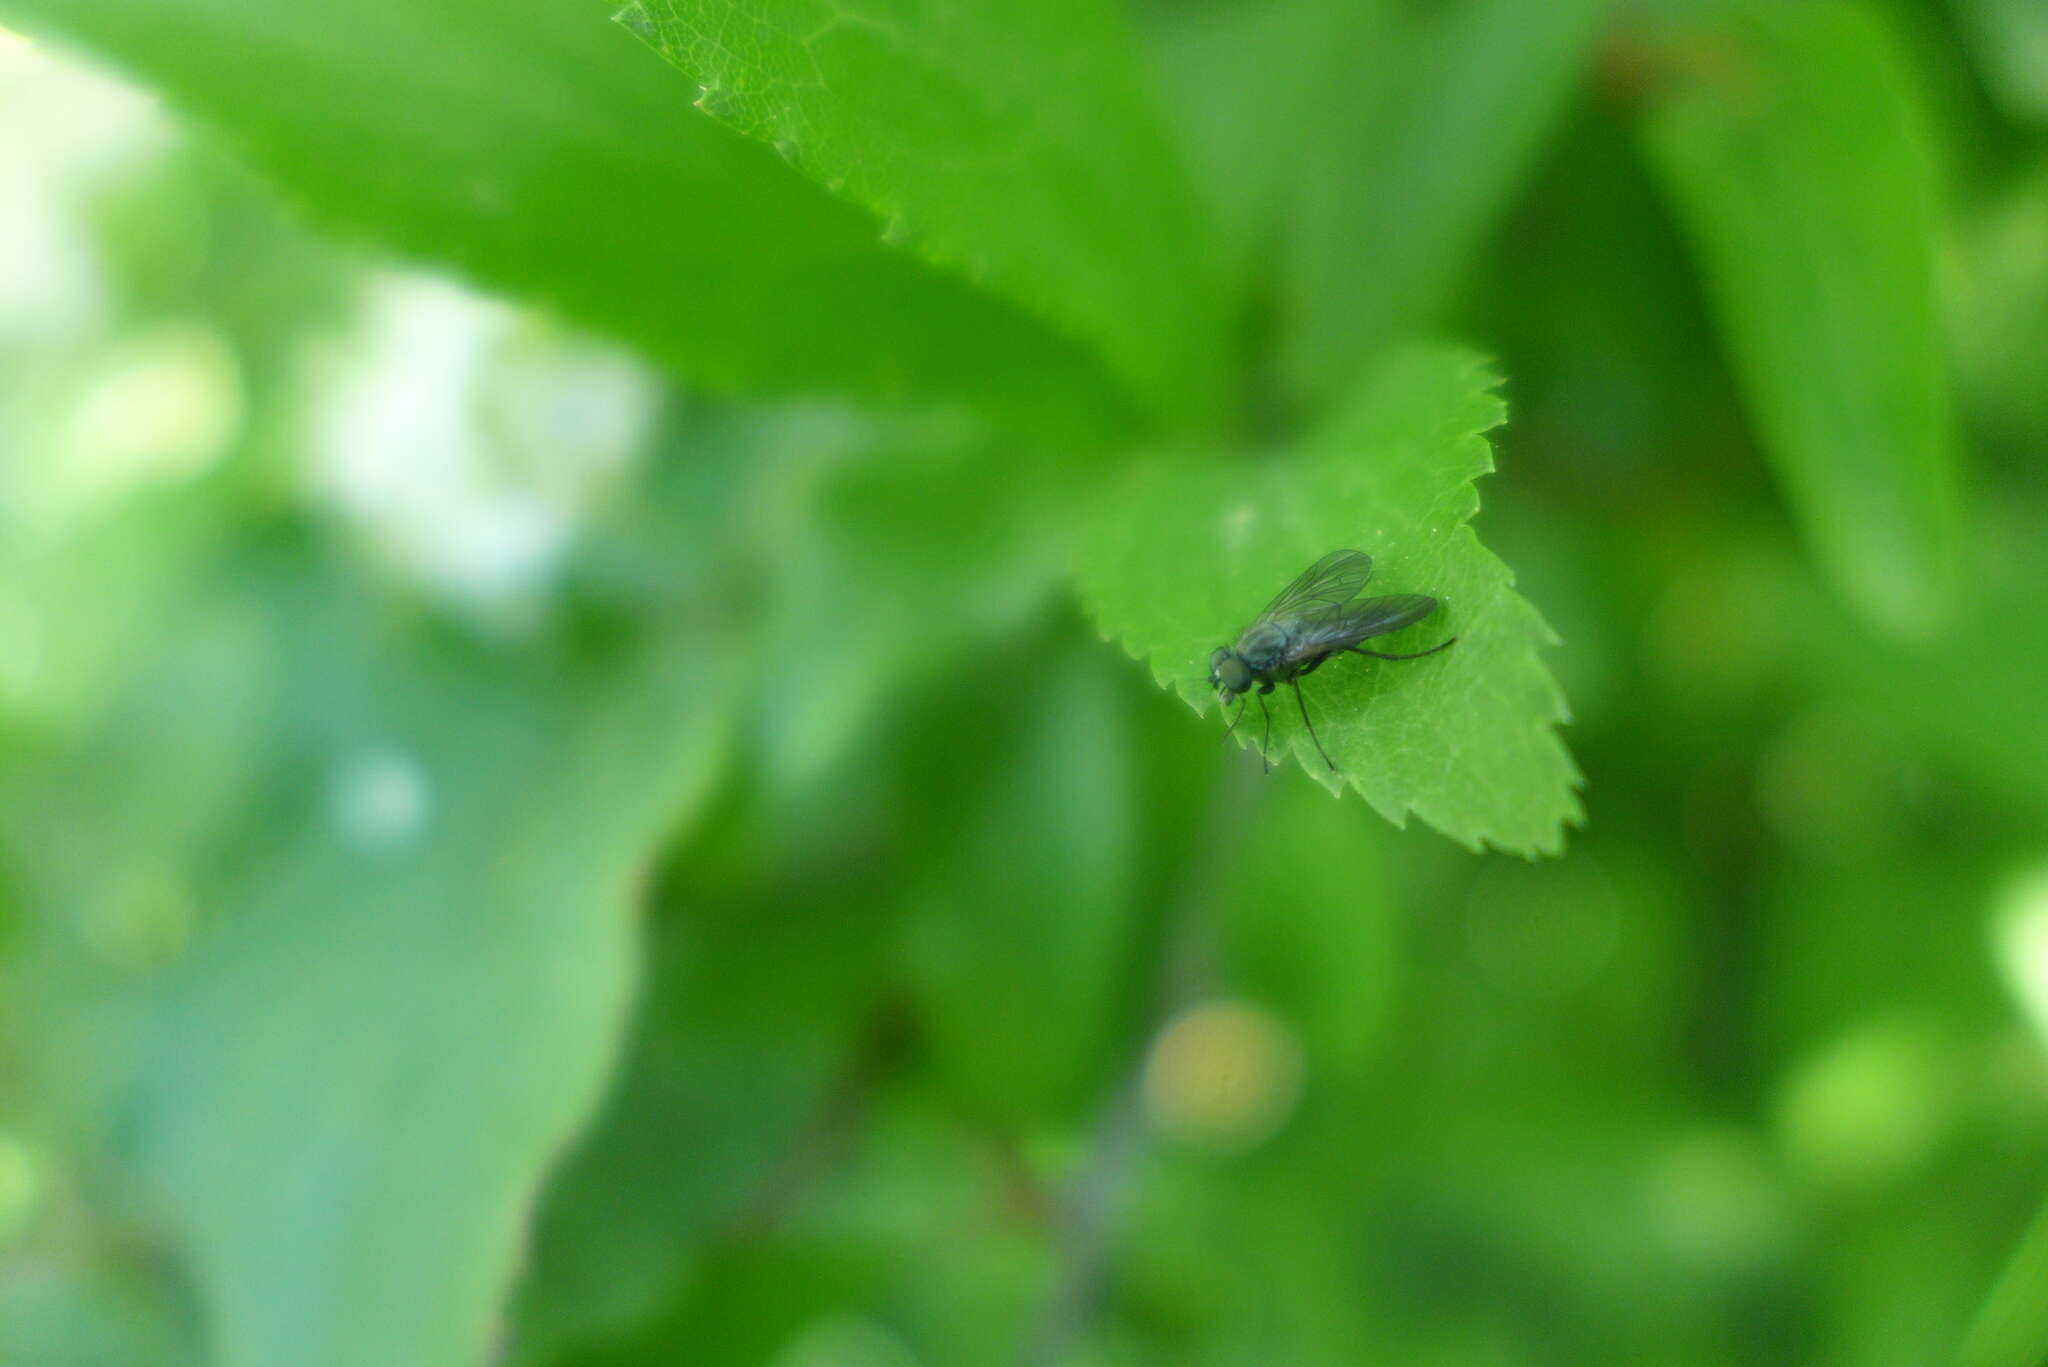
[(1800, 159)]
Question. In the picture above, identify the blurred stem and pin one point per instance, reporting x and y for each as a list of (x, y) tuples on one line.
[(822, 1142), (1092, 1206), (2012, 1328)]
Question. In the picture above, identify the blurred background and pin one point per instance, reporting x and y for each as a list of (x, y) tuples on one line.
[(510, 854)]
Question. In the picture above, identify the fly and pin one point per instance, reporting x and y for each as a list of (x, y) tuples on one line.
[(1319, 615)]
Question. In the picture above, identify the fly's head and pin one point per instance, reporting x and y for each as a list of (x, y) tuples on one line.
[(1228, 673)]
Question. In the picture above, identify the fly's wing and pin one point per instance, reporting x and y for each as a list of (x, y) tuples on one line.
[(1322, 588), (1348, 624)]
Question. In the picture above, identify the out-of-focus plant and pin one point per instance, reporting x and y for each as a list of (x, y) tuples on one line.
[(627, 845)]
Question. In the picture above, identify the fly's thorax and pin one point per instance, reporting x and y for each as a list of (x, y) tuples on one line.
[(1263, 646)]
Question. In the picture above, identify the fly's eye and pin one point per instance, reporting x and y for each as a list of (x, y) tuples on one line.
[(1216, 659)]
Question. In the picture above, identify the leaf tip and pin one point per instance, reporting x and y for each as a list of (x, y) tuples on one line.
[(634, 18)]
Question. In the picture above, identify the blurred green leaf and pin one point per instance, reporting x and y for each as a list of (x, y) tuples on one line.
[(1434, 122), (971, 1301), (1017, 934), (1010, 141), (1999, 318), (2009, 39), (930, 547), (1354, 154), (313, 910), (1796, 151), (539, 150), (1190, 549), (1255, 86), (91, 597), (413, 977), (923, 1242), (2011, 1328), (101, 823), (62, 1311), (1306, 928), (761, 1032), (1976, 686), (794, 1300)]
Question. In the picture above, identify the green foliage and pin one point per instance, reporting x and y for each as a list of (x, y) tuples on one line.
[(935, 546), (1190, 550), (2010, 41), (1012, 142), (1314, 938), (410, 986), (1015, 999), (558, 161), (1781, 128), (1318, 126), (1419, 162), (505, 856), (1254, 89), (763, 1011), (2012, 1329)]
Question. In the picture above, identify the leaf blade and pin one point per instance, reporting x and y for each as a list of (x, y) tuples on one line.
[(353, 1087), (1011, 142), (1800, 161), (1459, 101), (559, 161), (1016, 942)]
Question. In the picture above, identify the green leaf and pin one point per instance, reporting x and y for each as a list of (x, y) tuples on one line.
[(539, 150), (1801, 162), (1256, 87), (2009, 39), (1010, 140), (2011, 1330), (1016, 936), (1355, 152), (755, 1043), (1408, 166), (935, 547), (1976, 685), (71, 1310), (802, 1298), (1307, 930), (1190, 550), (1999, 318), (413, 979)]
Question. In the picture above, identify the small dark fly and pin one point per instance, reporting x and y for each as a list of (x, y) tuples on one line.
[(1319, 615)]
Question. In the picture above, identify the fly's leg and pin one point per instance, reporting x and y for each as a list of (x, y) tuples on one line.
[(1234, 720), (1303, 703), (1265, 758), (1380, 655)]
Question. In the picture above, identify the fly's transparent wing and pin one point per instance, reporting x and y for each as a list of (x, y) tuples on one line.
[(1348, 624), (1322, 588)]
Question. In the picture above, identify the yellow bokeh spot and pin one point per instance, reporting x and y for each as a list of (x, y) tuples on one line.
[(1223, 1075)]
